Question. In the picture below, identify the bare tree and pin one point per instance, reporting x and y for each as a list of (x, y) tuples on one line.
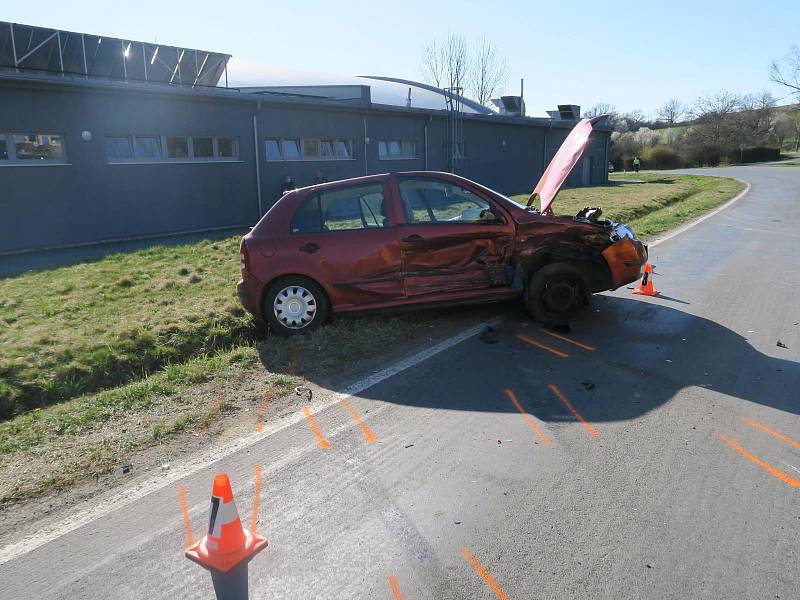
[(715, 112), (601, 108), (488, 73), (671, 111), (447, 65), (788, 73), (756, 117)]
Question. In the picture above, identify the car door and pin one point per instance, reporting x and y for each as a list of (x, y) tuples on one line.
[(342, 237), (453, 239)]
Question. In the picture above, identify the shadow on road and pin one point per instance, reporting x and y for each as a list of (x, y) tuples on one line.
[(644, 353)]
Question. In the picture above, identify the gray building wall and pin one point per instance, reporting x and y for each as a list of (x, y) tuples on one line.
[(88, 199), (91, 200)]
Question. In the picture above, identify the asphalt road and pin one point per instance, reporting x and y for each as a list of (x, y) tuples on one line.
[(642, 482)]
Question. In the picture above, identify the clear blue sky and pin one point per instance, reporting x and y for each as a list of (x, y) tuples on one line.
[(633, 54)]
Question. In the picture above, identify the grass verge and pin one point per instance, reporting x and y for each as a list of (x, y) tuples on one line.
[(82, 328), (651, 203), (85, 438)]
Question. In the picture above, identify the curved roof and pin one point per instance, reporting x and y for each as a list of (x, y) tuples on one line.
[(389, 91)]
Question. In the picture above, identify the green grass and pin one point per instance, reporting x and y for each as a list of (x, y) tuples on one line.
[(72, 330), (87, 437), (660, 202)]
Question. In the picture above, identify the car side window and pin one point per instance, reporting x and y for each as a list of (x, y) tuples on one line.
[(354, 207), (306, 219), (428, 201), (341, 209)]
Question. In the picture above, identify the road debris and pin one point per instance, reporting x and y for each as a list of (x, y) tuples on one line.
[(303, 391), (486, 335), (588, 385), (780, 344)]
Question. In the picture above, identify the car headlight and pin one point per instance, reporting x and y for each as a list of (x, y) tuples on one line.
[(622, 231)]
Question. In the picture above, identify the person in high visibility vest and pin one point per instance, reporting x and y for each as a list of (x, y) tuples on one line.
[(636, 163)]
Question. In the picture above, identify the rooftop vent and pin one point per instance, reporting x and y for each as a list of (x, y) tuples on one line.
[(566, 112), (510, 105)]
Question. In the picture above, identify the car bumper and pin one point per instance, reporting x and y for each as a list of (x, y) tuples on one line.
[(249, 291), (626, 259)]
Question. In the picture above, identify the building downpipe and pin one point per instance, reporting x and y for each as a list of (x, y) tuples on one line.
[(258, 162)]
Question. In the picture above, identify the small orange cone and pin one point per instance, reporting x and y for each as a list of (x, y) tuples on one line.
[(646, 286), (227, 543)]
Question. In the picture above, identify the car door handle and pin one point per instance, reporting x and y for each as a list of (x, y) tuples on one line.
[(311, 247), (413, 239)]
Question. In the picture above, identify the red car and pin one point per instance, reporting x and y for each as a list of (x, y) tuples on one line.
[(426, 238)]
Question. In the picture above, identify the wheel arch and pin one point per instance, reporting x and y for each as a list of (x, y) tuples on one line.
[(592, 267)]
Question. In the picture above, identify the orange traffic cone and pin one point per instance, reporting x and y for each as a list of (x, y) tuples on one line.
[(646, 286), (227, 543)]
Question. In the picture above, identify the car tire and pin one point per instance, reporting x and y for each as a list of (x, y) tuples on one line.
[(294, 305), (555, 294)]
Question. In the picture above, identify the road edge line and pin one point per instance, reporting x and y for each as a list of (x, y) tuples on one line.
[(135, 492)]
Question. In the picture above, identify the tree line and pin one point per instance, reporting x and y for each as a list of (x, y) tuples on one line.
[(715, 128)]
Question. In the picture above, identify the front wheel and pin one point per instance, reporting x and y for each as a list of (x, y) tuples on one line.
[(555, 294), (295, 305)]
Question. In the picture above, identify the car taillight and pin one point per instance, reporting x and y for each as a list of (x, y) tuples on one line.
[(244, 257)]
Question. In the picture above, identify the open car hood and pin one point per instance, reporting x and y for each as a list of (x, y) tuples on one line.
[(563, 162)]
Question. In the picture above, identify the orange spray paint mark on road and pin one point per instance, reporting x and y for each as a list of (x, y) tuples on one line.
[(568, 340), (395, 587), (767, 467), (263, 410), (187, 524), (485, 575), (321, 440), (543, 437), (766, 429), (369, 436), (575, 413), (256, 500), (209, 416), (528, 340)]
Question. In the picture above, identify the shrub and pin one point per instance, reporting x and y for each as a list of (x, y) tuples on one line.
[(757, 154), (661, 157)]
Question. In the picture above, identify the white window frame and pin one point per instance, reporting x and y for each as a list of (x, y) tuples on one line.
[(348, 142), (401, 156), (164, 159), (11, 151)]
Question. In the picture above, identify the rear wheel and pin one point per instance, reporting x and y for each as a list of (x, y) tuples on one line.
[(556, 293), (295, 305)]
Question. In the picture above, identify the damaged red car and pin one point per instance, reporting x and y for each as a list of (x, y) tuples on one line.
[(429, 238)]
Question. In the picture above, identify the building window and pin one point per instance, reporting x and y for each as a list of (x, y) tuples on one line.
[(118, 147), (32, 148), (273, 148), (203, 147), (308, 149), (177, 147), (148, 147), (159, 148), (227, 148), (290, 149), (397, 149)]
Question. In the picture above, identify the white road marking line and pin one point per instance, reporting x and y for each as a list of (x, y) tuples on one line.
[(699, 220), (127, 496)]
